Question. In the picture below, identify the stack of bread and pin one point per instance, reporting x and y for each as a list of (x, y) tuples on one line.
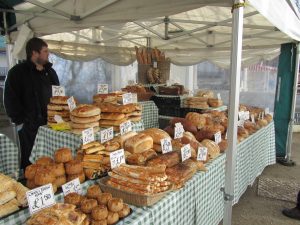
[(113, 115), (58, 106), (12, 195), (100, 208), (85, 116), (105, 98), (60, 213), (205, 94), (144, 180), (157, 135), (214, 102), (196, 102)]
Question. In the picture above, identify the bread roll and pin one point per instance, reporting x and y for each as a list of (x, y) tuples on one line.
[(124, 212), (103, 198), (85, 110), (93, 191), (196, 119), (43, 176), (87, 205), (64, 113), (223, 145), (112, 217), (63, 155), (138, 143), (30, 184), (30, 171), (73, 167), (44, 160), (100, 212), (73, 198), (98, 222), (81, 177), (187, 125), (111, 122), (58, 169), (59, 181)]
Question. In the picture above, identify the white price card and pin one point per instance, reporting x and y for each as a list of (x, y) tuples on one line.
[(134, 97), (219, 96), (241, 115), (72, 186), (58, 119), (252, 118), (178, 132), (127, 98), (267, 110), (202, 154), (262, 115), (102, 88), (226, 135), (240, 123), (186, 152), (88, 136), (247, 115), (40, 198), (71, 103), (154, 64), (166, 145), (125, 127), (218, 137), (117, 158), (107, 134), (58, 91)]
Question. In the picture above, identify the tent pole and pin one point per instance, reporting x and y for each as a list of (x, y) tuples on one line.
[(235, 71), (292, 118), (9, 46)]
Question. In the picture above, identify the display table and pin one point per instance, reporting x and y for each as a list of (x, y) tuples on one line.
[(149, 114), (9, 157), (48, 140), (200, 201)]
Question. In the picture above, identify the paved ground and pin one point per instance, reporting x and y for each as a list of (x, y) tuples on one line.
[(256, 210)]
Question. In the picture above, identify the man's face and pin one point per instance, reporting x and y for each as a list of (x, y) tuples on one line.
[(42, 56)]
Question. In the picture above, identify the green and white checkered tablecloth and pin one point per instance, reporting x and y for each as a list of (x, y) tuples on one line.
[(149, 114), (9, 156), (48, 140), (200, 202)]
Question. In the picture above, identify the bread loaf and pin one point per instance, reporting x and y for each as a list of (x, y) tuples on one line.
[(169, 159), (112, 116), (138, 143), (85, 110), (187, 125), (156, 134), (212, 148), (141, 158), (196, 119)]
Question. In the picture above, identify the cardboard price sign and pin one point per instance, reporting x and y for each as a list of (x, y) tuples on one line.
[(166, 145), (127, 98), (40, 198), (58, 119), (134, 97), (58, 91), (218, 137), (178, 132), (88, 136), (186, 152), (125, 127), (117, 158), (71, 103), (202, 154), (102, 89), (72, 186), (106, 135)]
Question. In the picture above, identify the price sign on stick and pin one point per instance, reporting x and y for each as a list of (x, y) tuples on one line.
[(40, 198), (252, 118), (102, 88), (58, 91), (178, 131), (247, 115), (218, 137), (202, 154), (127, 98), (240, 123), (241, 115), (134, 97), (72, 186), (71, 103), (267, 110), (186, 152), (88, 136), (58, 119), (166, 145), (117, 158), (125, 127), (219, 96), (107, 134)]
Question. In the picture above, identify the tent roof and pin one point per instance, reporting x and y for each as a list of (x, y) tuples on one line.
[(188, 31)]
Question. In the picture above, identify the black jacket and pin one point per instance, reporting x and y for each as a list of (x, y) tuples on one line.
[(27, 93)]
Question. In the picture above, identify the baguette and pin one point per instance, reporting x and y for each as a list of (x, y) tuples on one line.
[(143, 187), (141, 176), (128, 189), (149, 169)]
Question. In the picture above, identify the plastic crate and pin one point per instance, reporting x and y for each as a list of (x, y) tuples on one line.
[(166, 101)]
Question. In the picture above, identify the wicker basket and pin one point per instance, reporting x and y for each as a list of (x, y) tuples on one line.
[(164, 67), (142, 73), (131, 198)]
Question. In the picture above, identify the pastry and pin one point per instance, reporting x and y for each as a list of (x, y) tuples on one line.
[(30, 171), (58, 169), (73, 167), (44, 160), (73, 198), (30, 184), (115, 204), (93, 191), (100, 212), (124, 212), (43, 176), (103, 198), (81, 177), (85, 110), (63, 155), (112, 217), (98, 222), (7, 196), (9, 207), (87, 205), (60, 180)]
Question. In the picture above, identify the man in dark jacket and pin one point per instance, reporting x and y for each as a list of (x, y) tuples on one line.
[(28, 88), (293, 212)]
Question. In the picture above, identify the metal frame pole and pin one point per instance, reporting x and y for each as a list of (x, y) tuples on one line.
[(235, 70), (292, 116)]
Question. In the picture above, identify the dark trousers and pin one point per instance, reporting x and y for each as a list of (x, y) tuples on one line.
[(298, 200), (26, 137)]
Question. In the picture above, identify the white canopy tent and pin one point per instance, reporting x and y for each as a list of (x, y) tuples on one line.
[(211, 33)]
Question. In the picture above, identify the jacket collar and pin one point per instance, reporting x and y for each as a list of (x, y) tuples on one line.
[(47, 66)]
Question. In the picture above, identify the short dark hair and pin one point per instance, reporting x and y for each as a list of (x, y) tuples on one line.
[(34, 44)]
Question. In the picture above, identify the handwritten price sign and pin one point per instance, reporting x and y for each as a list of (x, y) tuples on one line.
[(88, 136), (71, 103), (58, 119), (102, 88), (127, 98), (106, 135), (40, 198), (166, 145), (72, 186), (134, 97), (202, 154), (186, 152), (125, 127), (117, 158), (58, 91), (218, 137), (178, 132)]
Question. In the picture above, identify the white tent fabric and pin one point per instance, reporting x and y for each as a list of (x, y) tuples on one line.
[(198, 30)]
